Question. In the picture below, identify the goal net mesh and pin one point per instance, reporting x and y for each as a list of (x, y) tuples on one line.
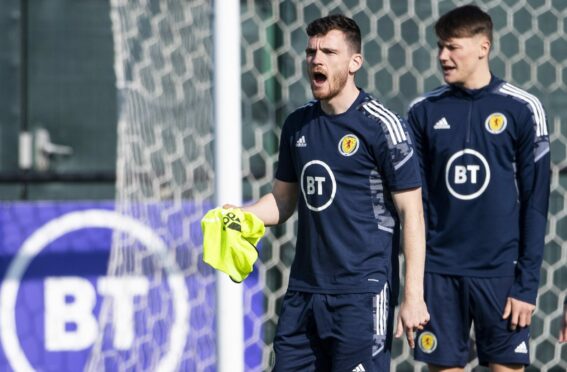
[(163, 62)]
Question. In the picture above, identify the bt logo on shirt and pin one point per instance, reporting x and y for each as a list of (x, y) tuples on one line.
[(467, 174), (311, 182), (318, 185)]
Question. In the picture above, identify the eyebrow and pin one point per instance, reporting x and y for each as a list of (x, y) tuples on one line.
[(324, 49), (441, 44)]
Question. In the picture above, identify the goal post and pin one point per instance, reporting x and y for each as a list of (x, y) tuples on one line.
[(228, 173)]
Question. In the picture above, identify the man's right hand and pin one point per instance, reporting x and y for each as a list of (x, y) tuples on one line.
[(413, 316)]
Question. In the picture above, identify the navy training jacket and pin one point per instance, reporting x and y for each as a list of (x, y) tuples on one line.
[(485, 162)]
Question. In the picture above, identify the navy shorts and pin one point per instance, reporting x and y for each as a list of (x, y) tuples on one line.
[(456, 302), (331, 333)]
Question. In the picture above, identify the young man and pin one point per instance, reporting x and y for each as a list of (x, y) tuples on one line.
[(348, 163), (484, 153)]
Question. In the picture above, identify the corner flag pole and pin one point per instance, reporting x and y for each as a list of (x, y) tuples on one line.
[(228, 170)]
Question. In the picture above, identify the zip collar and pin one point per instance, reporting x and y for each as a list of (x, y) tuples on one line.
[(477, 93)]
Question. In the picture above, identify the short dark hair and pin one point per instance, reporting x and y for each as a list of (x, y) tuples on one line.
[(464, 21), (348, 26)]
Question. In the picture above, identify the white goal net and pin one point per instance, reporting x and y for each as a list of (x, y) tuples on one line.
[(165, 160), (163, 62)]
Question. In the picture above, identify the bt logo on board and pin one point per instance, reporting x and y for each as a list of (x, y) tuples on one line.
[(70, 304)]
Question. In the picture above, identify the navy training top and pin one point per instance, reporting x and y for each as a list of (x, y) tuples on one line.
[(346, 166), (485, 165)]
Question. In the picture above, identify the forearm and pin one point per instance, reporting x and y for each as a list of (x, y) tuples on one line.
[(265, 209), (276, 207), (413, 312), (410, 211), (413, 235)]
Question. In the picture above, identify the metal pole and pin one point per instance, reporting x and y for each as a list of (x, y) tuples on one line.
[(25, 137), (228, 170)]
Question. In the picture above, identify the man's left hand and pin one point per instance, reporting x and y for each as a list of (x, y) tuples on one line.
[(518, 312), (413, 316)]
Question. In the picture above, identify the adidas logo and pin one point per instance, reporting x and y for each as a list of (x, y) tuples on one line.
[(301, 142), (521, 348), (442, 124), (231, 221), (359, 368)]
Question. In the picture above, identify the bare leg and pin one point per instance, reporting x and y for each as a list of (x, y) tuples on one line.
[(434, 368), (494, 367)]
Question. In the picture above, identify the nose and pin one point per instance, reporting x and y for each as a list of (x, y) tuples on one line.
[(443, 54), (315, 57)]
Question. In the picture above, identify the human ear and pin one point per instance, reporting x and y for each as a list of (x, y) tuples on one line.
[(355, 63), (484, 48)]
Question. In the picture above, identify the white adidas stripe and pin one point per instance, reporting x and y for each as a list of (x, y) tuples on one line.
[(395, 121), (372, 111), (393, 136), (387, 117), (381, 312), (392, 122), (385, 309), (535, 104)]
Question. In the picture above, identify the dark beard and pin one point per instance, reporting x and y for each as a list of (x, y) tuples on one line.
[(338, 83)]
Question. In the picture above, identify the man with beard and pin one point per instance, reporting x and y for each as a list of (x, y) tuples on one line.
[(348, 163)]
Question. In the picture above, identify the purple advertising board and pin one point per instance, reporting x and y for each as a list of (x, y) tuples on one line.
[(61, 310)]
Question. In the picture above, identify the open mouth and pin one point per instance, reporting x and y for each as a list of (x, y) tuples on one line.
[(319, 77), (448, 68)]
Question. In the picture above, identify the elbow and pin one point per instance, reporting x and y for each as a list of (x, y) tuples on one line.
[(285, 210), (285, 214)]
